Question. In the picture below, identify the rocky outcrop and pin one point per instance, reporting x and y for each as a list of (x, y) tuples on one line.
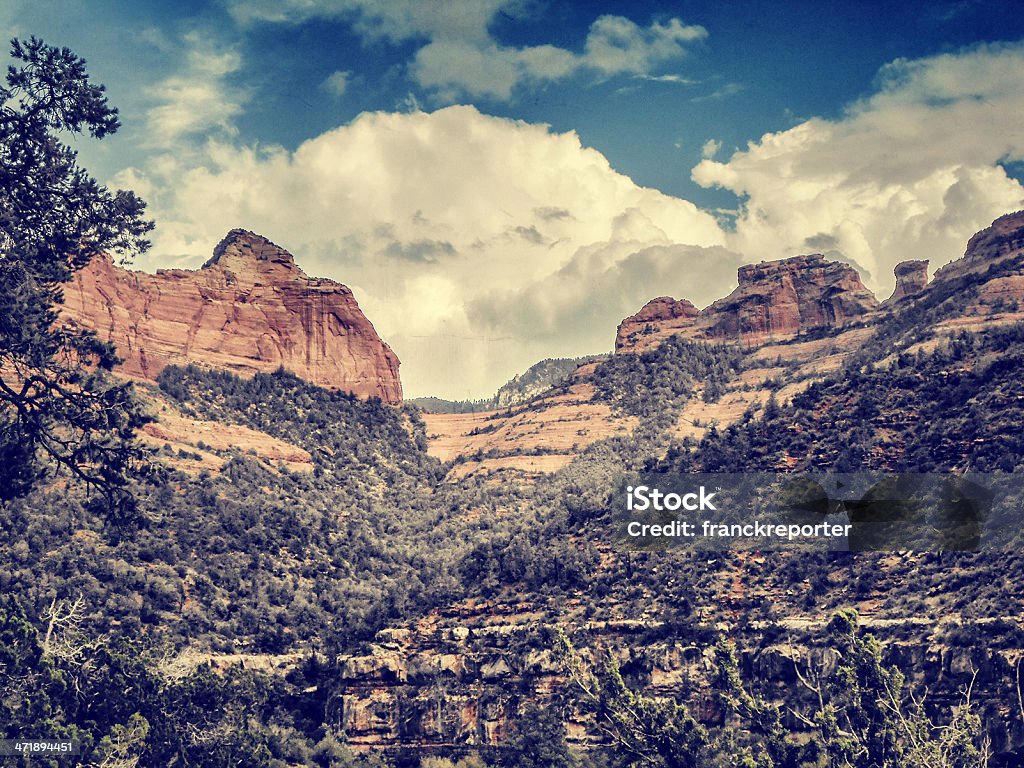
[(911, 279), (993, 266), (1001, 242), (658, 317), (468, 686), (250, 308), (774, 300), (781, 298)]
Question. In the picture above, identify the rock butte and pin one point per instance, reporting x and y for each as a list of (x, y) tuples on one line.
[(773, 300), (777, 300), (911, 279), (249, 309), (664, 312)]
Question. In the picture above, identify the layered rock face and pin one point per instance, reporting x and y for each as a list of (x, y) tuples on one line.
[(248, 309), (1002, 241), (781, 298), (657, 317), (995, 260), (774, 300), (468, 685), (911, 279)]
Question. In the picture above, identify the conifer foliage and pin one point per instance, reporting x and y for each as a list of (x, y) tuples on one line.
[(58, 408)]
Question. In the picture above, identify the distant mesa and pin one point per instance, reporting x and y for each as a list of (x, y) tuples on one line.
[(777, 300), (781, 298), (250, 308), (774, 300)]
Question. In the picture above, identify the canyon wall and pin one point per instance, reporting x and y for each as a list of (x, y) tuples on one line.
[(250, 308)]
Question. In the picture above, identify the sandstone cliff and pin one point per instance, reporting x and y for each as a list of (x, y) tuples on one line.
[(781, 298), (658, 317), (911, 279), (250, 308), (774, 300), (1003, 241), (994, 260)]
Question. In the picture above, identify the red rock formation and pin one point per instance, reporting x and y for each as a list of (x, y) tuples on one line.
[(662, 316), (994, 263), (780, 298), (911, 279), (774, 300), (1002, 241), (248, 309)]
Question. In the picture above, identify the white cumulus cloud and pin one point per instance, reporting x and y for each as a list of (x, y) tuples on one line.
[(910, 171), (476, 245), (197, 98), (460, 57), (615, 44)]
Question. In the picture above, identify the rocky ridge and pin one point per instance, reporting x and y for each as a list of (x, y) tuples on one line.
[(994, 260), (1001, 242), (466, 685), (250, 308), (538, 379), (799, 319), (773, 300), (780, 300)]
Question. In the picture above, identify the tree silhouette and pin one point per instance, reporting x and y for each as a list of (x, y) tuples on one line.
[(58, 406)]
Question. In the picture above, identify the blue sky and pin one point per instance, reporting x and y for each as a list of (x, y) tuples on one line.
[(503, 180)]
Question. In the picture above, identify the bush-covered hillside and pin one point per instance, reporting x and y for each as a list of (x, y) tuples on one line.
[(957, 407), (656, 383), (255, 558)]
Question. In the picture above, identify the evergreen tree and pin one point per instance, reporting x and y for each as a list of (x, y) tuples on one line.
[(58, 407)]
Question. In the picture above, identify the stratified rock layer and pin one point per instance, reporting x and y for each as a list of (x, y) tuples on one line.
[(248, 309), (774, 300), (781, 298), (660, 315)]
